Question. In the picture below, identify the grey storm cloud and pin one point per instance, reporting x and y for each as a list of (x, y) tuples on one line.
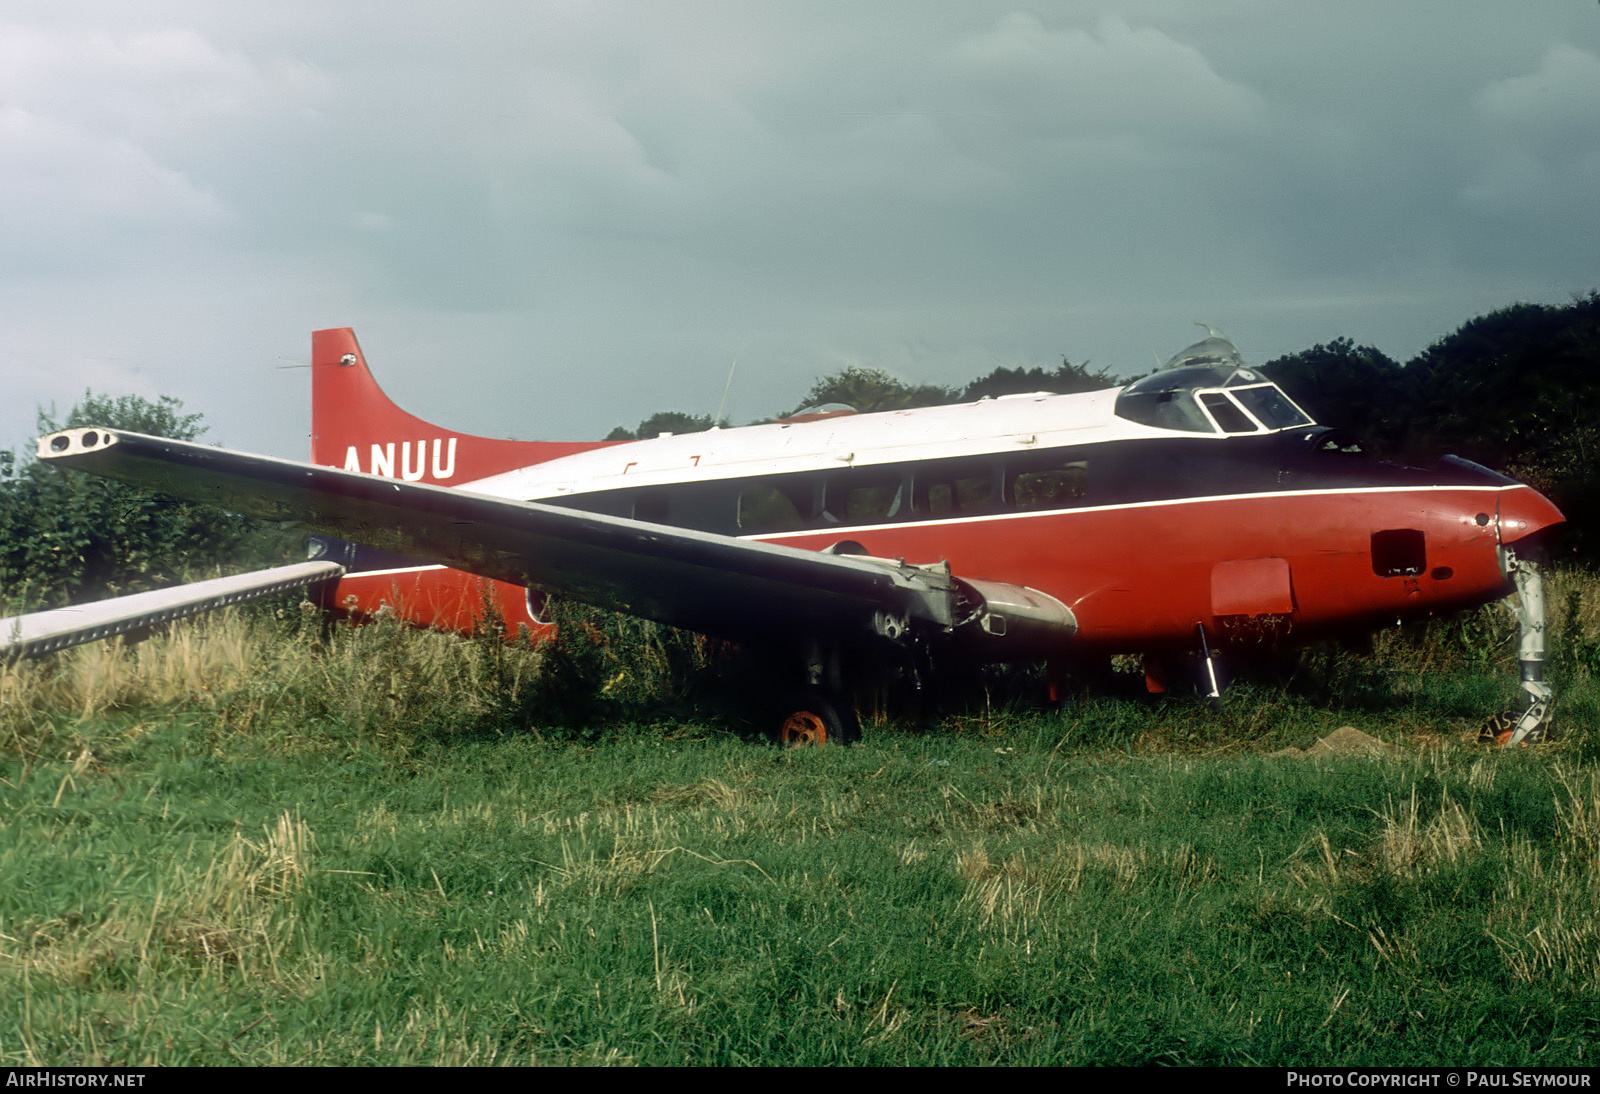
[(545, 219)]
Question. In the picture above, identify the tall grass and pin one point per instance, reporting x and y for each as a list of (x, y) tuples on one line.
[(934, 900), (283, 673), (255, 840)]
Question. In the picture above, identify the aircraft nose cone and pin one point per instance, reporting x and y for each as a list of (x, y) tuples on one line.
[(1524, 511)]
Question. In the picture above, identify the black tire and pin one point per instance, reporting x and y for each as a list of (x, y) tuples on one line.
[(813, 718)]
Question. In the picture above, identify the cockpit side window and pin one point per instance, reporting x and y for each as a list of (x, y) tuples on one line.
[(1164, 409), (1271, 406), (1227, 413)]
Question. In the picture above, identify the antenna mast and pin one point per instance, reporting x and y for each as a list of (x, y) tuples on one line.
[(716, 423)]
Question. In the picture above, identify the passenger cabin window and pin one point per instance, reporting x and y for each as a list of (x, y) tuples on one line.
[(1056, 484), (954, 492), (863, 497), (763, 507)]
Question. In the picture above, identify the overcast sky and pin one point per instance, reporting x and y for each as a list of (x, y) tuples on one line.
[(545, 219)]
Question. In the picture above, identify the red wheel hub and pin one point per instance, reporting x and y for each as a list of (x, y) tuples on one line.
[(804, 728)]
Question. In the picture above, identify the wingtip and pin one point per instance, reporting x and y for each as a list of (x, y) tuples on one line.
[(74, 442)]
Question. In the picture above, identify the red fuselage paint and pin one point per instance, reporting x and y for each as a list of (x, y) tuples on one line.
[(1137, 576), (437, 596), (356, 427)]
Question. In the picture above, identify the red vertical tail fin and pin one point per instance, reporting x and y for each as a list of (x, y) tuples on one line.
[(355, 426)]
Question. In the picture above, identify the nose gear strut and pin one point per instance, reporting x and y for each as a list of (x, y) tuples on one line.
[(1535, 721)]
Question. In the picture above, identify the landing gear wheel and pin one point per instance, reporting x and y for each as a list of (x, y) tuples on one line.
[(1499, 729), (811, 718)]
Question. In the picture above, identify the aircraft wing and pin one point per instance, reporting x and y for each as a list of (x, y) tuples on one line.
[(697, 580), (45, 632)]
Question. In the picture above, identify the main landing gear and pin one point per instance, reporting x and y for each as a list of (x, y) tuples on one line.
[(813, 718), (821, 713), (1193, 671), (1209, 662)]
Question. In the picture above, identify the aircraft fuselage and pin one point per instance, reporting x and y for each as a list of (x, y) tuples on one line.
[(1142, 531)]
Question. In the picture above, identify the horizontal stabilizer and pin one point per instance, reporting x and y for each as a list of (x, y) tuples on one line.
[(45, 632)]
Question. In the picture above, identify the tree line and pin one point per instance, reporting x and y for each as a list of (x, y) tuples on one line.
[(1517, 389)]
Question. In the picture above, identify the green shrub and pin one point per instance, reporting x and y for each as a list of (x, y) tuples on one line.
[(67, 537), (604, 664)]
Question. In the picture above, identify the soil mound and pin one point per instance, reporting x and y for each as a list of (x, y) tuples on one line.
[(1344, 741)]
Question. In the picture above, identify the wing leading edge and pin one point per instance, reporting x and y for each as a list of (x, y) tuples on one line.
[(697, 580)]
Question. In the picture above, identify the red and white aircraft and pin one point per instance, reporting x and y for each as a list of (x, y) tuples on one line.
[(1197, 509)]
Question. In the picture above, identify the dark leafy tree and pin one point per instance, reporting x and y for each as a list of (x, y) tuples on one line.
[(1350, 387), (1063, 380), (665, 421), (1518, 389), (163, 418), (870, 389)]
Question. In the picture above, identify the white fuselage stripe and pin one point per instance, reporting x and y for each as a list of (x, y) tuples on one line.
[(398, 570)]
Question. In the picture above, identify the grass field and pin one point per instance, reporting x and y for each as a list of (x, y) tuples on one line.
[(245, 844)]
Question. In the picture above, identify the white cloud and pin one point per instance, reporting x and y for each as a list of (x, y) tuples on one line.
[(1556, 102), (71, 196), (1538, 167), (107, 141), (163, 86), (629, 193), (1114, 79)]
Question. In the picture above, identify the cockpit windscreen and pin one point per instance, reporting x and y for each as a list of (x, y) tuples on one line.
[(1208, 389)]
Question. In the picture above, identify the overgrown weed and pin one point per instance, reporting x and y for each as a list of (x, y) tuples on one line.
[(605, 666), (284, 678)]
